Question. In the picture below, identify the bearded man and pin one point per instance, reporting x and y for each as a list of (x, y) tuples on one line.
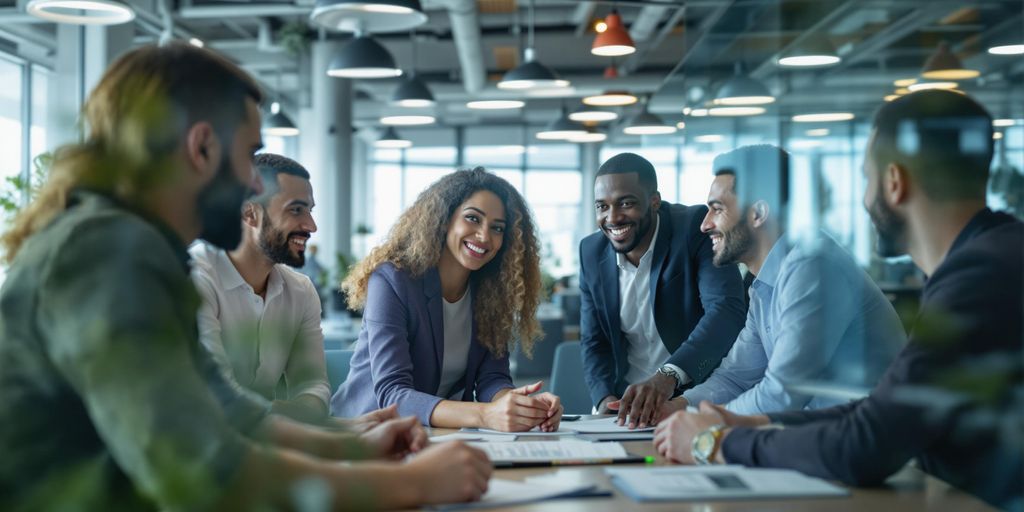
[(260, 317), (815, 317)]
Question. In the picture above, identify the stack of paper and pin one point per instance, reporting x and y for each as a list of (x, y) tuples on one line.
[(717, 482), (533, 453), (608, 425)]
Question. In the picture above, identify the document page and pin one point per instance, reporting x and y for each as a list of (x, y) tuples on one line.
[(551, 451), (601, 426), (717, 482)]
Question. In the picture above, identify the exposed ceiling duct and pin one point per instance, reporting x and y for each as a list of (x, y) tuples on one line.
[(468, 42)]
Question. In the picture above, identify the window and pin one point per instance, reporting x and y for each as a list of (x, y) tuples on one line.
[(12, 116)]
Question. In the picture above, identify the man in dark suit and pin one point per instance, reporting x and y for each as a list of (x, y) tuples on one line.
[(952, 398), (656, 313)]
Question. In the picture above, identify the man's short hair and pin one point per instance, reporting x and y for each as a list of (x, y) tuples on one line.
[(269, 165), (623, 163), (943, 138), (761, 173)]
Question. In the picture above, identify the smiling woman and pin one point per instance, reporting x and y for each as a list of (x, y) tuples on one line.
[(456, 281)]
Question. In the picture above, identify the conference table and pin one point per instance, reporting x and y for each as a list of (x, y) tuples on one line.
[(907, 491)]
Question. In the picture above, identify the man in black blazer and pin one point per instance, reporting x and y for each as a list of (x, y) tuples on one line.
[(656, 313), (952, 398)]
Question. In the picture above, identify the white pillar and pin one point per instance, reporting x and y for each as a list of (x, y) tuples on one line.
[(331, 137)]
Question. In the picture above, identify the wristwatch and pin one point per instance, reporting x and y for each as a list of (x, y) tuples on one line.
[(705, 444), (670, 371)]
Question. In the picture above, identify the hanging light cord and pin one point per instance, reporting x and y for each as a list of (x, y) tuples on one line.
[(529, 34)]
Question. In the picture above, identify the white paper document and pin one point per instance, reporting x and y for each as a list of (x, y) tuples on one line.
[(717, 482), (551, 451), (601, 426), (530, 433), (474, 436), (509, 492)]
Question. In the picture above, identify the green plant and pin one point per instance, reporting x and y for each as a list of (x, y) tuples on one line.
[(344, 264), (292, 36), (18, 191)]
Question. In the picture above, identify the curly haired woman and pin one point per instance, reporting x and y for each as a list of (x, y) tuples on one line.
[(457, 280)]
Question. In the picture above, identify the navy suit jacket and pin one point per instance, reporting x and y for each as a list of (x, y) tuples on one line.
[(948, 399), (698, 307), (400, 352)]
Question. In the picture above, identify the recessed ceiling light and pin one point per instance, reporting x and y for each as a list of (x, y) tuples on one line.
[(81, 12), (407, 120), (824, 117), (817, 132), (1007, 49), (495, 104), (922, 86), (997, 135), (610, 99), (698, 112), (735, 111), (1003, 123), (709, 138), (681, 124)]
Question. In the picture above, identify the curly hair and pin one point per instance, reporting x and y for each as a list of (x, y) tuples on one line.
[(507, 289)]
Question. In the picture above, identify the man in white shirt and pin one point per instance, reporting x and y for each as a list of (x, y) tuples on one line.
[(261, 319)]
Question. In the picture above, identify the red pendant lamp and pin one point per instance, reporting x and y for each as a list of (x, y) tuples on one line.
[(615, 40)]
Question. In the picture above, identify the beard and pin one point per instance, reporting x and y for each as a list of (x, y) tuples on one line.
[(890, 227), (275, 246), (735, 243), (220, 208), (642, 227)]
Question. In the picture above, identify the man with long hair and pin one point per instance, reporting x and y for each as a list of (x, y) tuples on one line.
[(109, 401)]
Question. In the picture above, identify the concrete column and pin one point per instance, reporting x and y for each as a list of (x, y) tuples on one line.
[(331, 136), (589, 162)]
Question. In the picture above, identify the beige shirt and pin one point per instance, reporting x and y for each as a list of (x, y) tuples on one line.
[(258, 340)]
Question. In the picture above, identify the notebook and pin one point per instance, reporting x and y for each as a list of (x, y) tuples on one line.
[(684, 483)]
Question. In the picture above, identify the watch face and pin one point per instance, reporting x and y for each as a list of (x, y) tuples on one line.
[(704, 443)]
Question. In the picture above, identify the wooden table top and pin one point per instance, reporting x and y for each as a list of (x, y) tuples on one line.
[(907, 491)]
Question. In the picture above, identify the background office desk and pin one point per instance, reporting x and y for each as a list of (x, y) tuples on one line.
[(907, 491)]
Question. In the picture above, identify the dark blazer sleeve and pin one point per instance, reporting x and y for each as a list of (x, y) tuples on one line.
[(493, 376), (385, 319), (721, 295), (596, 348), (911, 410)]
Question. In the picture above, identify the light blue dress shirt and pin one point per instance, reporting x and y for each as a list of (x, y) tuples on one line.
[(814, 316)]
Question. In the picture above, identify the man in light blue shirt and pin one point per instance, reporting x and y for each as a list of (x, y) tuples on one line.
[(815, 317)]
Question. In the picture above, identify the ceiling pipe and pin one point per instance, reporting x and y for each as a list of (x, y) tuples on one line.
[(468, 42)]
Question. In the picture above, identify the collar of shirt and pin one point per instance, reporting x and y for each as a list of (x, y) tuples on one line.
[(625, 264), (769, 274), (232, 279)]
